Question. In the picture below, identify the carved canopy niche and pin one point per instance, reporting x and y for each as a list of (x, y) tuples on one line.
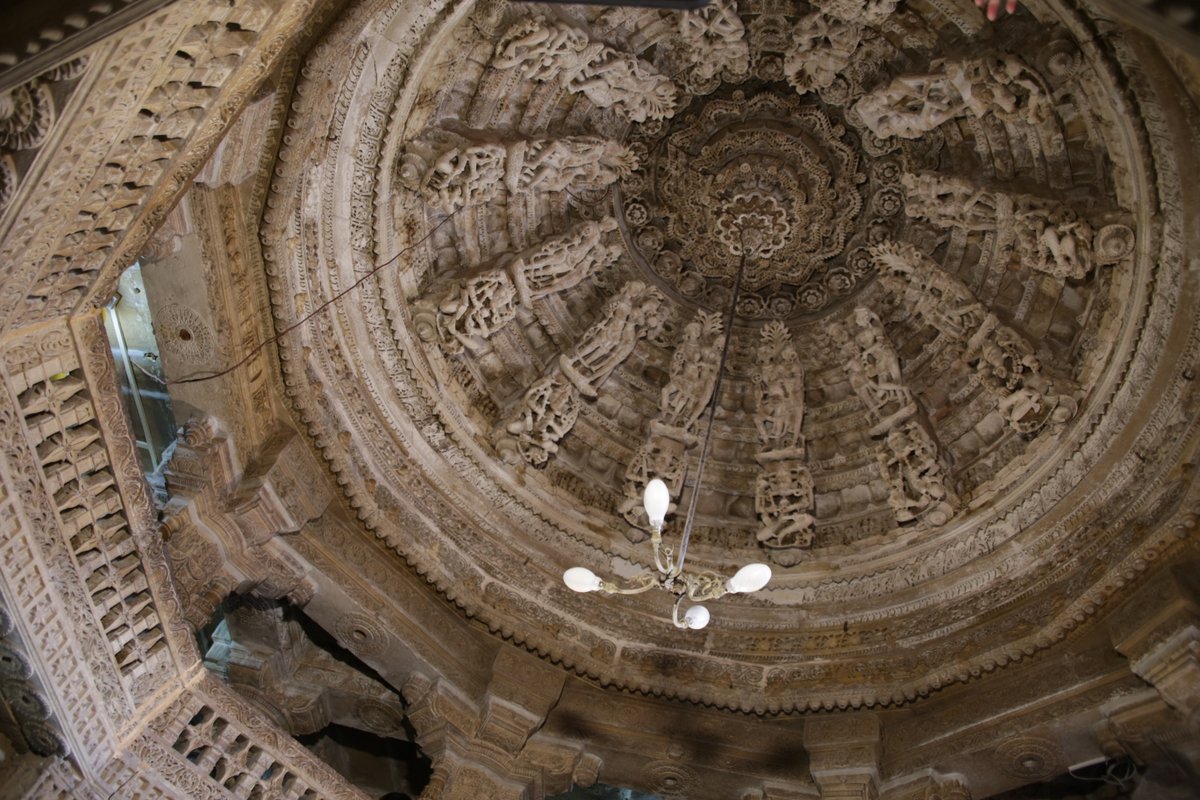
[(947, 419)]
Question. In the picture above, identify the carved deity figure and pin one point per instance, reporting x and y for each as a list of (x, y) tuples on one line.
[(939, 298), (552, 165), (873, 368), (541, 50), (916, 484), (867, 12), (821, 48), (715, 39), (783, 498), (915, 104), (693, 373), (554, 51), (561, 262), (784, 491), (1004, 360), (548, 410), (475, 306), (637, 90), (949, 202), (682, 401), (634, 313), (465, 176), (546, 413), (1051, 237), (659, 457), (780, 382)]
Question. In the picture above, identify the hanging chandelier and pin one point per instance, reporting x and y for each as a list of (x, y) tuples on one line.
[(669, 574)]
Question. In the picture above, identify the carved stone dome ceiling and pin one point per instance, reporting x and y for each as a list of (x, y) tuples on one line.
[(950, 312)]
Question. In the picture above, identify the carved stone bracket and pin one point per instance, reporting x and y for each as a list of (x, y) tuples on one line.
[(1158, 630), (1026, 396), (221, 524), (1051, 237), (844, 755), (913, 105), (548, 410), (545, 51), (452, 172)]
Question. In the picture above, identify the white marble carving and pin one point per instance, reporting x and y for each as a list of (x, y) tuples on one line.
[(545, 51), (1051, 237), (915, 104), (1007, 366)]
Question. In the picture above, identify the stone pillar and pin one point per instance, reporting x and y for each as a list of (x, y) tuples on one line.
[(844, 755), (1158, 630)]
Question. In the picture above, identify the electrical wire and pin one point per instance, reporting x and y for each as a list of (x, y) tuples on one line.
[(201, 377)]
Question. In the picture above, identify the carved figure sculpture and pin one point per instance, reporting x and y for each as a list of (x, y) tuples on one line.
[(822, 46), (913, 105), (715, 39), (541, 50), (548, 410), (916, 485), (910, 462), (554, 51), (682, 401), (551, 165), (561, 262), (634, 313), (780, 382), (867, 12), (783, 499), (1051, 237), (873, 368), (939, 298), (475, 306), (784, 491), (546, 413), (464, 177), (464, 173), (693, 373), (1004, 360)]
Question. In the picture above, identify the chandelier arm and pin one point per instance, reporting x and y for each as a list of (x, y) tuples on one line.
[(712, 410), (656, 540), (643, 583), (675, 612)]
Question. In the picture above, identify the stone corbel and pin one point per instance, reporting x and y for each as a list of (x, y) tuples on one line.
[(1158, 630), (844, 754), (222, 524), (1143, 727)]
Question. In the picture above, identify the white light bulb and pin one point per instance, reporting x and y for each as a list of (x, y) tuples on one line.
[(696, 617), (581, 579), (749, 578), (656, 499)]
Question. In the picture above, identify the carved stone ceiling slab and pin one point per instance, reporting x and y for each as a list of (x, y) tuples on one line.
[(946, 326)]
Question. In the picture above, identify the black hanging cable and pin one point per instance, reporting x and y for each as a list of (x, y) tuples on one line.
[(712, 411), (201, 377)]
